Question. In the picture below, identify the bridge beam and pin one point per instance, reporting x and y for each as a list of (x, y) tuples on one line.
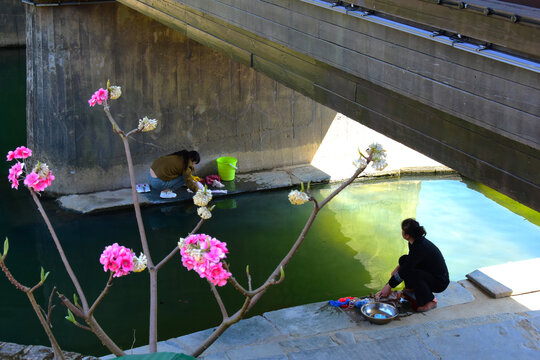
[(476, 114)]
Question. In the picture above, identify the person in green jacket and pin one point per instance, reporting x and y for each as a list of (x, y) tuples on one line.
[(172, 171)]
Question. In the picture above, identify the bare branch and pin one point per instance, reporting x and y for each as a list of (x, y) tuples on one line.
[(74, 309), (102, 295), (50, 306), (219, 301), (65, 261), (10, 277)]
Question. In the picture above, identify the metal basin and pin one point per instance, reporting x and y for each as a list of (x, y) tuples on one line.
[(378, 312)]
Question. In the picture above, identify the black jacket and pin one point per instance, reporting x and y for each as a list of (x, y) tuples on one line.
[(423, 255)]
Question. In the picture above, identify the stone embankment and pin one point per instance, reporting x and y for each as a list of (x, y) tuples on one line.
[(10, 351)]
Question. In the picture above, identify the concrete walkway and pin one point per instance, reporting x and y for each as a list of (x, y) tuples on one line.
[(467, 324), (250, 182)]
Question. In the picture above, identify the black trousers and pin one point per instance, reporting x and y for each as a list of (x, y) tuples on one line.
[(423, 283)]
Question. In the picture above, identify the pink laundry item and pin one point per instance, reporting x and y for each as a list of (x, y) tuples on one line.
[(209, 180)]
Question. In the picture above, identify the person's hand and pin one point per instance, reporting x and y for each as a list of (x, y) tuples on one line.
[(386, 290)]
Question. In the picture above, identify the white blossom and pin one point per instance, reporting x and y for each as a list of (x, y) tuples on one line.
[(146, 124), (298, 197), (360, 163), (378, 156), (204, 213), (115, 92), (139, 263), (202, 197)]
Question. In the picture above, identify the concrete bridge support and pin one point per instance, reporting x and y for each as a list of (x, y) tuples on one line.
[(12, 30), (203, 99), (389, 68)]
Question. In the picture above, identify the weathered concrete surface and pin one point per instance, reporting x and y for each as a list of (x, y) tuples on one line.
[(477, 115), (202, 99), (12, 23), (466, 324)]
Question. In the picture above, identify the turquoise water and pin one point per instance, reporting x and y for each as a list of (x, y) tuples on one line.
[(350, 250)]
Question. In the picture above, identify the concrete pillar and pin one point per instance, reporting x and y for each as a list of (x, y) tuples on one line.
[(12, 23), (202, 99)]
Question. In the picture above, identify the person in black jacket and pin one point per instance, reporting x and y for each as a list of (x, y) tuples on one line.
[(423, 269)]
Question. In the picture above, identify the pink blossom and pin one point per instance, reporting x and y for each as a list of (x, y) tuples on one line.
[(99, 97), (118, 259), (22, 152), (203, 254), (38, 183), (14, 173)]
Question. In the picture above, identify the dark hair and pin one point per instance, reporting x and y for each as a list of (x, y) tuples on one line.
[(188, 155), (412, 227)]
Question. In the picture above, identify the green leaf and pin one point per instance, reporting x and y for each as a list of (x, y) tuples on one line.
[(75, 299), (71, 317), (43, 275), (282, 272), (309, 185), (6, 247), (247, 269), (302, 184)]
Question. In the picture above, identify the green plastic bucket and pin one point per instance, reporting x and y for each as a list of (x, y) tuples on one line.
[(226, 167)]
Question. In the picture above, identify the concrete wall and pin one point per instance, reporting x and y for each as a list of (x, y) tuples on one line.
[(477, 115), (12, 27), (202, 98)]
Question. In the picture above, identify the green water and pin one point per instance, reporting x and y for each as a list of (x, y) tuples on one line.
[(350, 250)]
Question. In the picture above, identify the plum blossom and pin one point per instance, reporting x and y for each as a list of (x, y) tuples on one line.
[(139, 263), (38, 179), (98, 98), (117, 259), (115, 92), (203, 254), (360, 163), (204, 213), (21, 152), (378, 156), (298, 197), (146, 124), (202, 197), (14, 172)]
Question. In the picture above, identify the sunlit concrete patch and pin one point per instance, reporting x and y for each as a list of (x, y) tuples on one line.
[(513, 278), (267, 179), (408, 347), (252, 331), (453, 295), (500, 340), (306, 173), (309, 319), (86, 203)]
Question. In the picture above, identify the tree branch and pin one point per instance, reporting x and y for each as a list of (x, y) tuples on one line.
[(102, 295), (219, 301), (65, 261), (176, 249)]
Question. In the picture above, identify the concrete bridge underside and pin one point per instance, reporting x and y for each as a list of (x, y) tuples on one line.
[(474, 113)]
